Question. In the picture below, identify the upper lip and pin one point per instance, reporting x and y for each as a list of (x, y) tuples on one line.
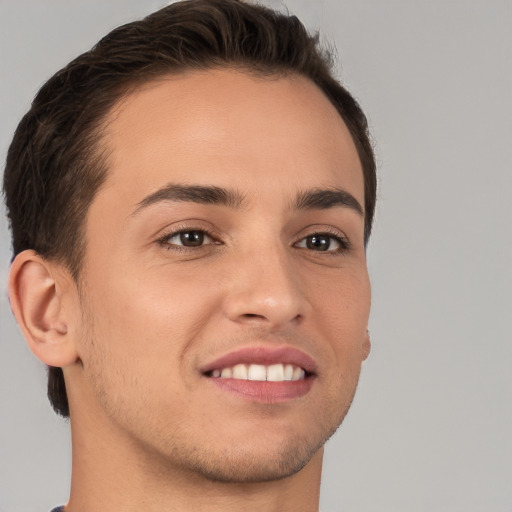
[(263, 355)]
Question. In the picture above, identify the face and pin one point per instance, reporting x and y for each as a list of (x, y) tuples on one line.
[(224, 291)]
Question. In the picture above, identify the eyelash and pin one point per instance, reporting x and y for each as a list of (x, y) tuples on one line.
[(164, 239), (343, 241)]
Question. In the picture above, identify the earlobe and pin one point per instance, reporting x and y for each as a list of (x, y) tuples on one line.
[(37, 300), (367, 345)]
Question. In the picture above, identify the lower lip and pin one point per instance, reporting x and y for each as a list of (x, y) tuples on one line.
[(264, 391)]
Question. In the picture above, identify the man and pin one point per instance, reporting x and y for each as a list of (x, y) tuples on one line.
[(190, 204)]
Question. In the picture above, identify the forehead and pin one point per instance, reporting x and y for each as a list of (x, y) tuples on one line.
[(227, 127)]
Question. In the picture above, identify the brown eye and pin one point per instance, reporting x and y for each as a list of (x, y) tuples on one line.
[(192, 238), (318, 242), (322, 242)]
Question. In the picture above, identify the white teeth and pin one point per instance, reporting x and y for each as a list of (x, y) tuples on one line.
[(275, 373), (298, 373), (258, 372), (240, 372), (226, 373)]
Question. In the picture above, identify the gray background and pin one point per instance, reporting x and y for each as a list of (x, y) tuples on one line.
[(431, 426)]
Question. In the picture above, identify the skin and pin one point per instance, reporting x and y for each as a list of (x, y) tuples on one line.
[(149, 429)]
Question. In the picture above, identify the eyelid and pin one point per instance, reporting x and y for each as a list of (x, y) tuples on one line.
[(174, 230), (198, 225), (341, 238), (207, 238)]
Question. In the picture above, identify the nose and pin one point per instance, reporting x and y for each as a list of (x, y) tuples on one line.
[(265, 291)]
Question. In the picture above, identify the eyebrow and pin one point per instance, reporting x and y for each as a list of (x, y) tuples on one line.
[(315, 199), (320, 199), (193, 194)]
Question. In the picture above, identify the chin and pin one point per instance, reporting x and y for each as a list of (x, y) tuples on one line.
[(253, 463), (236, 469)]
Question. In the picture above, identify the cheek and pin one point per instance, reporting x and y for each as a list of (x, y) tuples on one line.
[(343, 310), (344, 301), (152, 317), (133, 343)]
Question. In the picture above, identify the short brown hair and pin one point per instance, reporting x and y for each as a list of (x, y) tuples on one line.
[(54, 164)]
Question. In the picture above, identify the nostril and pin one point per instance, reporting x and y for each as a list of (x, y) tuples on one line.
[(250, 317)]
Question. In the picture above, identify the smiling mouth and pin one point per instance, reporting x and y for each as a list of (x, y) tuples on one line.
[(268, 375), (261, 373)]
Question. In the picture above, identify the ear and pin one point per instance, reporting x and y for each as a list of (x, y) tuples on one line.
[(38, 293), (367, 345)]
